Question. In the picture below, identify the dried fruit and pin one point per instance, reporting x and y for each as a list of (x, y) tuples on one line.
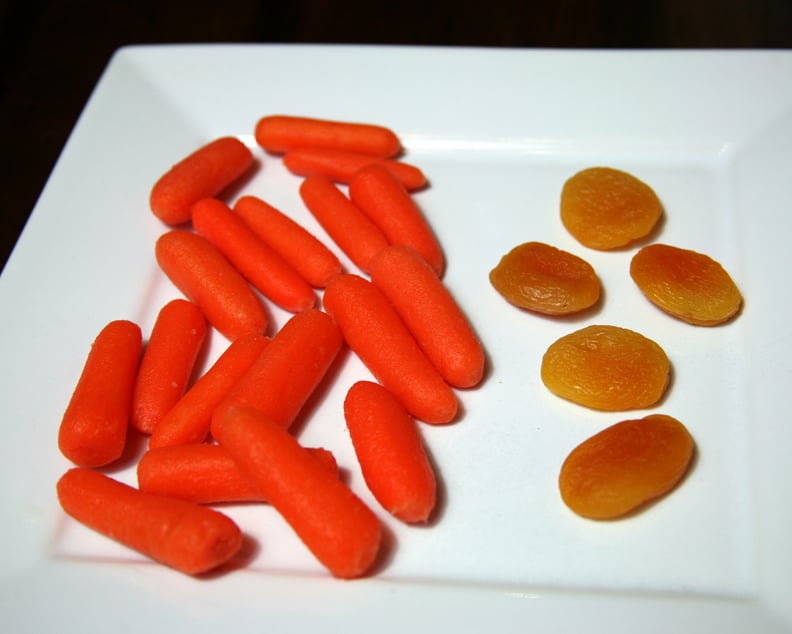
[(606, 368), (606, 208), (547, 280), (688, 285), (625, 466)]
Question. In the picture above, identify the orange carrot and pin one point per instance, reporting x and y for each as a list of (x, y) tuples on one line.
[(376, 333), (204, 173), (340, 166), (186, 536), (287, 372), (431, 314), (189, 419), (295, 244), (390, 452), (93, 430), (354, 233), (380, 195), (280, 133), (168, 362), (259, 264), (201, 272), (334, 524), (204, 473)]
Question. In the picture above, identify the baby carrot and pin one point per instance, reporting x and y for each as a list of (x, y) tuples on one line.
[(255, 260), (280, 133), (93, 430), (204, 473), (305, 252), (431, 314), (353, 232), (186, 536), (287, 372), (204, 173), (380, 195), (167, 363), (340, 166), (390, 452), (334, 524), (188, 420), (376, 333), (201, 272)]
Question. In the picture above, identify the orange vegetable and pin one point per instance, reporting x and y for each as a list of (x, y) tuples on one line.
[(625, 466), (93, 430), (390, 452), (190, 538), (354, 233), (390, 206), (287, 372), (301, 249), (431, 314), (254, 259), (376, 333), (168, 362), (333, 523), (206, 278), (189, 419), (280, 133), (203, 174)]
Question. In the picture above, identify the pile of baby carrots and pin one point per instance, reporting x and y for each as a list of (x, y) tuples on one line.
[(225, 437)]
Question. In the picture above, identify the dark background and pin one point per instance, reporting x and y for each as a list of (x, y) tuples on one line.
[(53, 52)]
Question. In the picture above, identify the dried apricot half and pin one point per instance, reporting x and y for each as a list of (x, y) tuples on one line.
[(625, 466), (606, 368), (686, 284), (544, 279), (605, 208)]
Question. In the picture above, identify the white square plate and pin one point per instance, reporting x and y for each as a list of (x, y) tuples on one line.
[(497, 132)]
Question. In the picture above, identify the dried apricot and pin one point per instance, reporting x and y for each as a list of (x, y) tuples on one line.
[(606, 368), (606, 208), (688, 285), (625, 466), (547, 280)]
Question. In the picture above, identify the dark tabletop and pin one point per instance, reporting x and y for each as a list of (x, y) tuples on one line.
[(54, 51)]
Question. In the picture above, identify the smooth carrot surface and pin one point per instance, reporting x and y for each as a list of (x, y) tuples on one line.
[(204, 473), (189, 419), (280, 133), (376, 333), (431, 314), (301, 249), (380, 195), (354, 233), (183, 535), (390, 452), (335, 525), (258, 263), (168, 362), (93, 430), (204, 173), (205, 277), (340, 166), (287, 372)]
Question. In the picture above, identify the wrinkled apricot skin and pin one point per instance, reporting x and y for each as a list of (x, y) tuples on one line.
[(690, 286), (547, 280), (623, 467), (606, 208), (606, 368)]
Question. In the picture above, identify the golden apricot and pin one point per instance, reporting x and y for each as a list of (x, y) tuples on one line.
[(606, 208), (544, 279), (689, 285), (625, 466), (606, 368)]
